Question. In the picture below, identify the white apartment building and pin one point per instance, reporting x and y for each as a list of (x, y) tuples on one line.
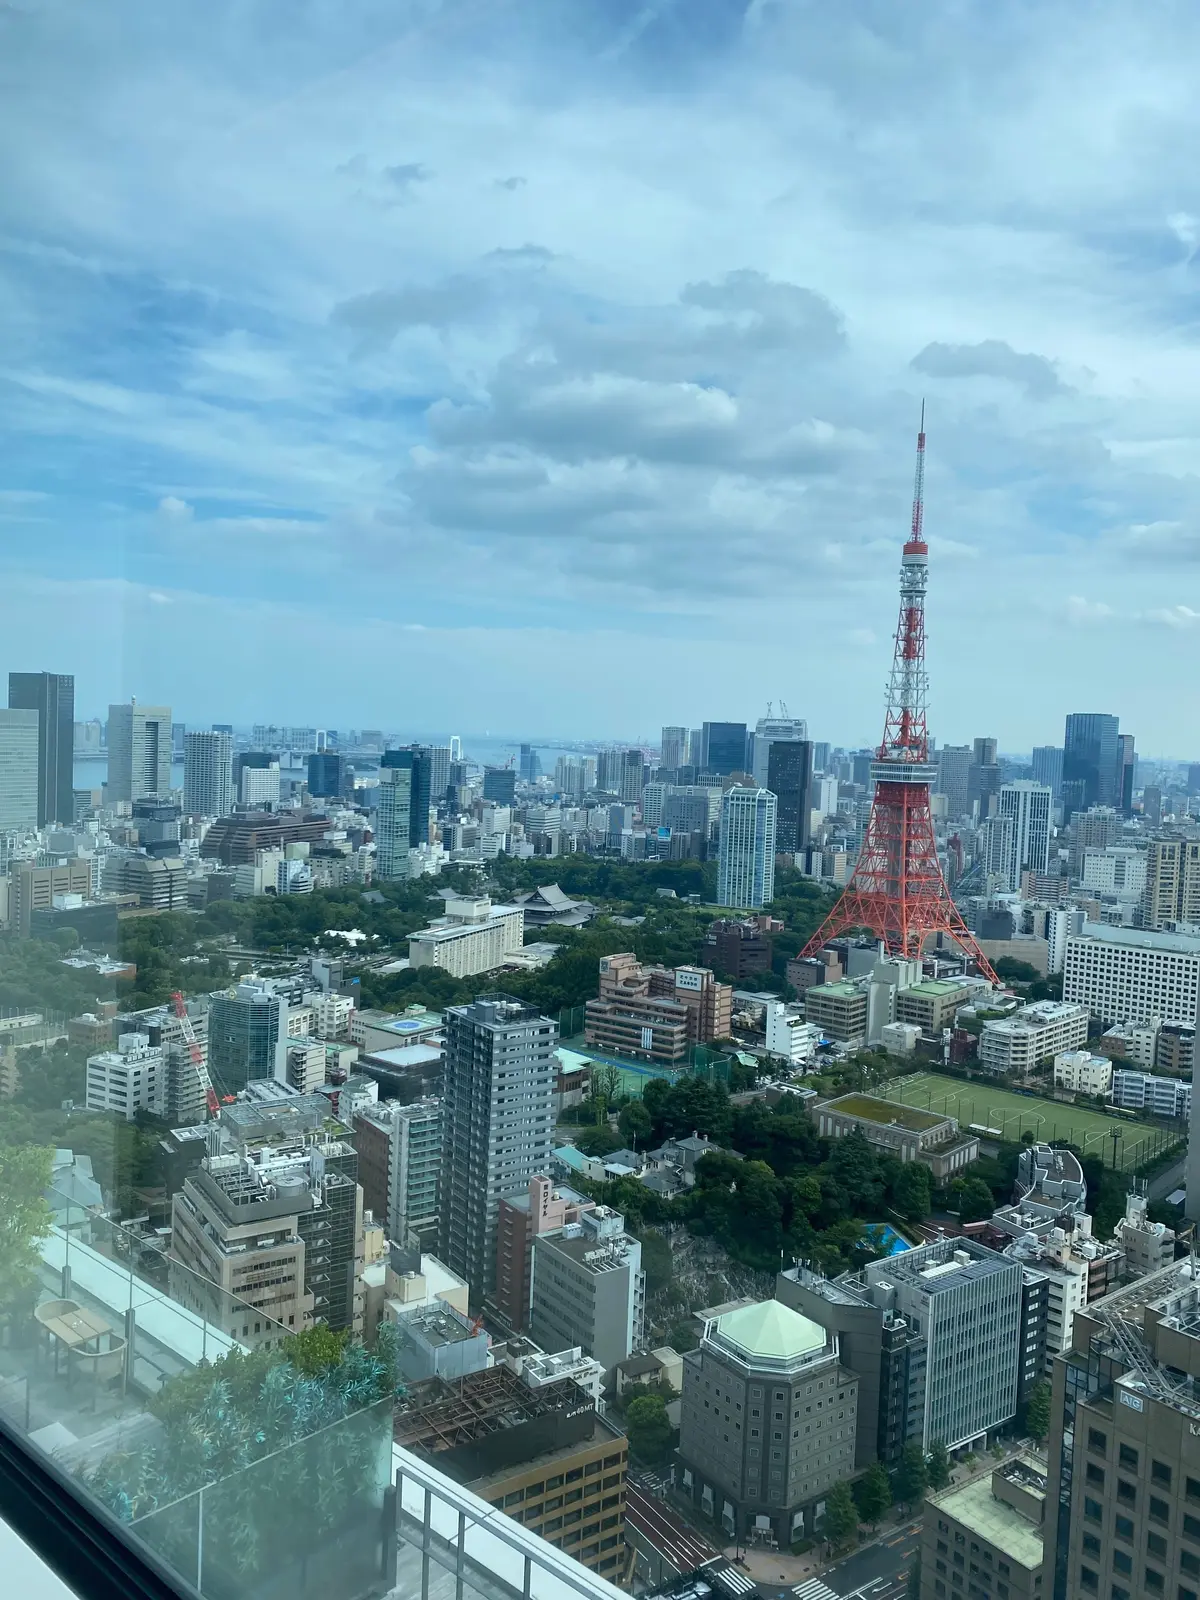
[(128, 1079), (1080, 1072), (791, 1036), (473, 936), (746, 853), (1120, 870), (1035, 1033), (587, 1288), (331, 1015), (1133, 974), (1029, 807), (1061, 922), (1144, 1091)]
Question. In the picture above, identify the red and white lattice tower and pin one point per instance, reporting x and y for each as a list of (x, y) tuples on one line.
[(898, 891)]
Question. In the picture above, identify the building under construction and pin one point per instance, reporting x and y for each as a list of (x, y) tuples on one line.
[(543, 1455)]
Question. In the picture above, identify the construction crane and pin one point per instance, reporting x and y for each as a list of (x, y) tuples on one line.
[(197, 1055)]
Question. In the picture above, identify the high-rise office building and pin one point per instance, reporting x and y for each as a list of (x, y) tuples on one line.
[(19, 770), (633, 775), (247, 1036), (500, 785), (746, 860), (1028, 806), (327, 775), (417, 762), (139, 751), (207, 774), (1048, 768), (587, 1288), (498, 1124), (439, 771), (393, 821), (983, 779), (1126, 768), (953, 779), (674, 748), (821, 755), (769, 731), (1124, 1446), (723, 747), (530, 764), (256, 779), (52, 696), (1172, 892), (1091, 750), (789, 777)]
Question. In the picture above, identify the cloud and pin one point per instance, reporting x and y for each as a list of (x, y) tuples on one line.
[(174, 510), (1081, 612), (405, 175), (992, 358), (1179, 617)]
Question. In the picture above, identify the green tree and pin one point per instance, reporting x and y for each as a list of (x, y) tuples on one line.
[(24, 1217), (597, 1141), (913, 1192), (606, 1086), (911, 1476), (67, 939), (937, 1466), (648, 1427), (840, 1523), (634, 1123), (1037, 1411), (315, 1350), (975, 1200), (873, 1493)]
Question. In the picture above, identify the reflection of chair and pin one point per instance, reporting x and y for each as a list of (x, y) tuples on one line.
[(89, 1341), (106, 1364)]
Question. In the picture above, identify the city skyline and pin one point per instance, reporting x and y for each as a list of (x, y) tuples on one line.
[(558, 396)]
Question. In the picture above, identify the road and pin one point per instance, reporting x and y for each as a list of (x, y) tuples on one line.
[(879, 1572)]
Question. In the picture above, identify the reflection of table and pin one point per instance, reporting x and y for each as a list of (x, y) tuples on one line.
[(87, 1338), (76, 1328)]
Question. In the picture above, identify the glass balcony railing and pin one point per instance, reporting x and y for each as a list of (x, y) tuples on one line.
[(249, 1473)]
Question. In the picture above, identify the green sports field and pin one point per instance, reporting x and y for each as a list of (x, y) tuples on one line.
[(1015, 1114)]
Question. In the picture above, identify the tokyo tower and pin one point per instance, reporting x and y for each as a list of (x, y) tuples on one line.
[(897, 890)]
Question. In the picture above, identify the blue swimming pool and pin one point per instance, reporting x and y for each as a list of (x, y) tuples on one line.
[(893, 1242)]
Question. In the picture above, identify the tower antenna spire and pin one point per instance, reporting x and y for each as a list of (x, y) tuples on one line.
[(898, 890)]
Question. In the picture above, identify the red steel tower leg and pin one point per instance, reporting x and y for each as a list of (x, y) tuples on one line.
[(898, 891)]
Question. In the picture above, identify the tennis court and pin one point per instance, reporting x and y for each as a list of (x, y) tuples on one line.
[(1005, 1115)]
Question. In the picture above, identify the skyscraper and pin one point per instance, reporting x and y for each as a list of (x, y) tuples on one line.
[(498, 1124), (769, 731), (1091, 752), (723, 747), (789, 777), (1048, 768), (393, 819), (207, 774), (139, 751), (746, 860), (500, 785), (19, 769), (674, 748), (633, 775), (52, 696), (1126, 765), (953, 779), (1028, 806), (530, 764), (418, 763), (326, 775)]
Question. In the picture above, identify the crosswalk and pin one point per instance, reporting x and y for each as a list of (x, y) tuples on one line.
[(731, 1580), (814, 1589)]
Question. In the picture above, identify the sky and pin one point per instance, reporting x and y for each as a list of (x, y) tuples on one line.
[(500, 364)]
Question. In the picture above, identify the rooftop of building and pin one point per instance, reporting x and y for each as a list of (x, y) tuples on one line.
[(496, 1011), (439, 1416), (769, 1331), (976, 1506), (937, 988), (845, 990), (1186, 944), (885, 1112), (519, 1201)]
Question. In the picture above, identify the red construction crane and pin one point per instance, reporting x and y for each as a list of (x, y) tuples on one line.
[(897, 890), (197, 1055)]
